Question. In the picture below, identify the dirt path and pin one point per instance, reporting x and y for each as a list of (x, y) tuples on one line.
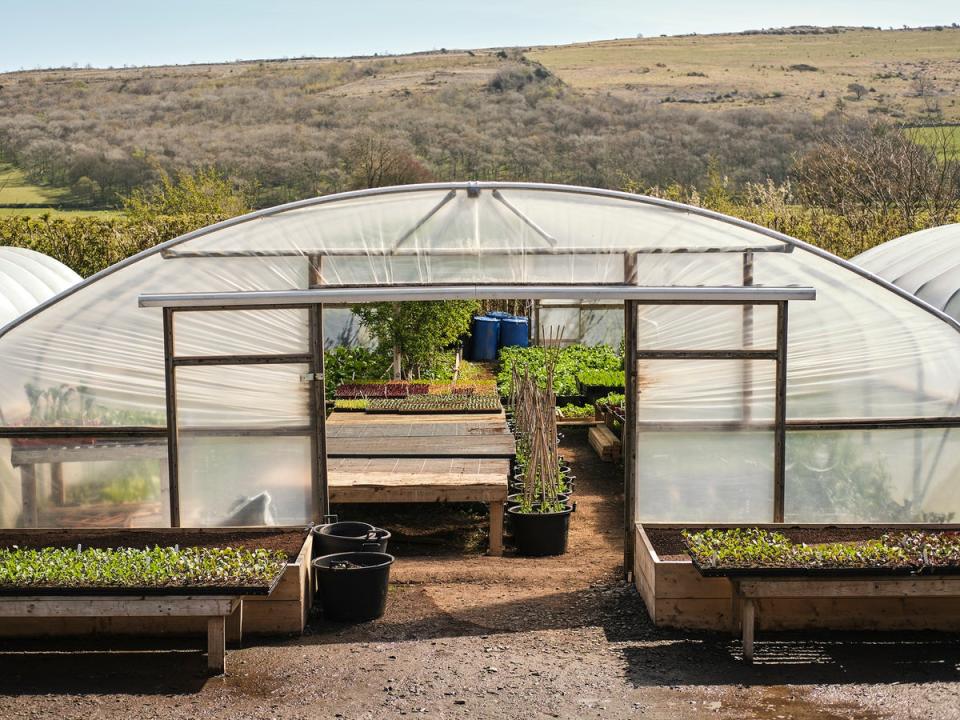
[(478, 637)]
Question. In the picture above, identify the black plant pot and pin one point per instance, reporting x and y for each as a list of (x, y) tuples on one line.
[(515, 499), (353, 585), (539, 534), (342, 537)]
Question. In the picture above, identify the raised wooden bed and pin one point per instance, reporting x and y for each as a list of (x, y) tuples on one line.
[(285, 610), (677, 595)]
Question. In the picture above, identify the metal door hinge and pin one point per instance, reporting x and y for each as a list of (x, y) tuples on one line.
[(310, 377)]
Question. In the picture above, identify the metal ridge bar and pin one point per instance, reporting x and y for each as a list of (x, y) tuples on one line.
[(401, 293)]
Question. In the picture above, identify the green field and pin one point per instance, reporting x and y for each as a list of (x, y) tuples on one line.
[(16, 189), (943, 136)]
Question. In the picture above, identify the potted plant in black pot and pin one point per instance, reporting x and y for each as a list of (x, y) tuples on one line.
[(540, 521)]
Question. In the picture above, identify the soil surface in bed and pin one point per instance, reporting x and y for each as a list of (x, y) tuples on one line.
[(288, 540)]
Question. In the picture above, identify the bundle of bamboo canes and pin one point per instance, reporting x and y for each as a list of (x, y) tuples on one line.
[(535, 423)]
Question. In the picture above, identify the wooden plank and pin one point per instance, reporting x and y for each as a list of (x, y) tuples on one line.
[(496, 528), (604, 442), (847, 587), (419, 493), (72, 452), (216, 644), (115, 606), (467, 446)]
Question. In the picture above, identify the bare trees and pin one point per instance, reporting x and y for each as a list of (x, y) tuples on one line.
[(881, 170)]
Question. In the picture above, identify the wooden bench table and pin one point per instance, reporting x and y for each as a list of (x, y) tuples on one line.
[(747, 590), (224, 613)]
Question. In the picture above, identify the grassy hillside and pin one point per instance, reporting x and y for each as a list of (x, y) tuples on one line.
[(647, 112)]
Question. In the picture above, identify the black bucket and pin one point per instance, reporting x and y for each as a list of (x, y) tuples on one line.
[(342, 537), (539, 534), (517, 498), (353, 586)]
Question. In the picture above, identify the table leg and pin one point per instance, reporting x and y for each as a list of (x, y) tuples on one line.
[(28, 492), (748, 621), (58, 493), (496, 528), (234, 629), (216, 645)]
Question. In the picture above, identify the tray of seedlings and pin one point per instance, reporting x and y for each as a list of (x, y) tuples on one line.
[(829, 551), (595, 384), (147, 563), (436, 404)]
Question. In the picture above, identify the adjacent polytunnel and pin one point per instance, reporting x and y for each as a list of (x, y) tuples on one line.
[(28, 278), (861, 426), (924, 263)]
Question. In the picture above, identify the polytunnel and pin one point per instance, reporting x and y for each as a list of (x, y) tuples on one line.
[(767, 380), (925, 264), (28, 278)]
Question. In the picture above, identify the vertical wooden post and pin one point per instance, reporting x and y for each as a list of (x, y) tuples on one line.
[(320, 495), (234, 626), (28, 495), (58, 492), (496, 528), (748, 621), (216, 644), (170, 379), (780, 419), (630, 310), (747, 342)]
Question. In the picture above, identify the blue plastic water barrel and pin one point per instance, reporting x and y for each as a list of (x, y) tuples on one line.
[(486, 334), (499, 314), (514, 331)]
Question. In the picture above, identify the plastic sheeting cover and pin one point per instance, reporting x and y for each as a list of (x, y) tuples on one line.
[(924, 263)]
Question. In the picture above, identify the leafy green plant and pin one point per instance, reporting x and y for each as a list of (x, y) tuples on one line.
[(613, 400), (753, 548), (354, 405), (349, 364), (158, 567), (601, 378), (574, 412), (570, 361)]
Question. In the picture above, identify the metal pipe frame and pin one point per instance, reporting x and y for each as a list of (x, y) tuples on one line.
[(170, 387), (697, 295)]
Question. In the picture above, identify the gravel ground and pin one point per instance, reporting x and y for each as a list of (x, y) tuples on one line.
[(468, 636)]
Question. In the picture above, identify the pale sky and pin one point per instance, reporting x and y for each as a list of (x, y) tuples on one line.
[(55, 33)]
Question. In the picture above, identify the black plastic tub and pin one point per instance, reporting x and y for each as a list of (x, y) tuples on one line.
[(353, 586), (540, 534), (341, 537), (515, 499)]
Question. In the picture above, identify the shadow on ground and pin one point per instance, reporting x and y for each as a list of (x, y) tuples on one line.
[(85, 666)]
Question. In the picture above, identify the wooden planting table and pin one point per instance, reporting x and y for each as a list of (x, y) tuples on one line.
[(376, 458), (747, 590), (224, 613)]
